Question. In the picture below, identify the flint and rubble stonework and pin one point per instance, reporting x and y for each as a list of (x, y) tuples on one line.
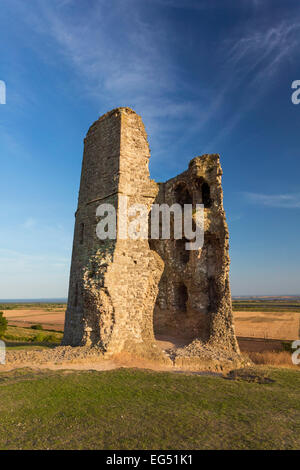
[(123, 292)]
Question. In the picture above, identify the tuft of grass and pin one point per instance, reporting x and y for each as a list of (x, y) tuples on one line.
[(273, 358)]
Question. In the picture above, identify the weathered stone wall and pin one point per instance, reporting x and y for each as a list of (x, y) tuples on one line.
[(194, 297), (117, 286)]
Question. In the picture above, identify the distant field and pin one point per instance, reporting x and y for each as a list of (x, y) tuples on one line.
[(267, 325), (277, 319), (33, 306), (267, 305), (50, 316), (267, 318)]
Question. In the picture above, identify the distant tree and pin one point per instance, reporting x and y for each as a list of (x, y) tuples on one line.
[(36, 327), (3, 324)]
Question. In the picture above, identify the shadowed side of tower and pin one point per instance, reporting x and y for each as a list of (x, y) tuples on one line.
[(194, 299)]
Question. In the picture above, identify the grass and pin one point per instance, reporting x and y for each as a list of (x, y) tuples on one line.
[(136, 409), (17, 338), (272, 358)]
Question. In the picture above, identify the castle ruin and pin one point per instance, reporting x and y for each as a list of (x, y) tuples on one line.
[(125, 292)]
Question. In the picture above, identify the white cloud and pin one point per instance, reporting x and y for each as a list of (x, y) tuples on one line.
[(285, 201)]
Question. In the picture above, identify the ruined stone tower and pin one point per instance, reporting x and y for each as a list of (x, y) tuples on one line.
[(123, 291)]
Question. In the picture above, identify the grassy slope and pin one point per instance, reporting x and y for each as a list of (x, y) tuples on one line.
[(16, 337), (134, 409)]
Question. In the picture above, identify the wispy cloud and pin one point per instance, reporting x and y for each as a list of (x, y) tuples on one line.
[(285, 201), (187, 4), (252, 61), (12, 147), (123, 58), (29, 223), (12, 261), (119, 56), (261, 52), (27, 275)]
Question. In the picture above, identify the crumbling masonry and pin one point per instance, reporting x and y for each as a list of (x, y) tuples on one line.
[(123, 293)]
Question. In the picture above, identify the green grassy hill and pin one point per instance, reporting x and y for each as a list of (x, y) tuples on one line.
[(136, 409)]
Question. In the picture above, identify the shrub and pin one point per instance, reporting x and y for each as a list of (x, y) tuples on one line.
[(44, 338), (3, 324), (51, 339), (36, 327), (39, 338), (272, 358), (287, 347)]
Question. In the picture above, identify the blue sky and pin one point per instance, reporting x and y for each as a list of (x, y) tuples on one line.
[(206, 76)]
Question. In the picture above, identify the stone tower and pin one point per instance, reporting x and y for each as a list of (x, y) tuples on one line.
[(123, 290), (113, 283)]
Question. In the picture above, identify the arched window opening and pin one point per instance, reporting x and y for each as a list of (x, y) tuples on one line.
[(182, 195), (206, 200), (181, 297), (204, 191)]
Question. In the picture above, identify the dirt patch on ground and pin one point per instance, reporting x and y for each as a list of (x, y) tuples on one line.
[(60, 357), (176, 357), (166, 342)]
